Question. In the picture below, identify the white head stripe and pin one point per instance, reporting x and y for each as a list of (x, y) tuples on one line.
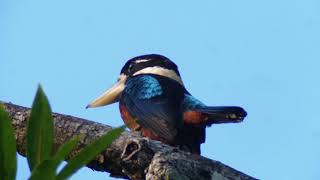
[(162, 72), (142, 60)]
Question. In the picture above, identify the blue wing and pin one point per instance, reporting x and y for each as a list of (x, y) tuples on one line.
[(151, 99)]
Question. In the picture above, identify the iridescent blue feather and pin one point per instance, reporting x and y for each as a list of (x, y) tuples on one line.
[(190, 103), (148, 87)]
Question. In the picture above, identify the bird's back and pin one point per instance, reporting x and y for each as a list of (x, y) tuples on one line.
[(154, 102)]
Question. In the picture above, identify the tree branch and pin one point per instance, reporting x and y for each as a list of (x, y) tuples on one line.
[(130, 156)]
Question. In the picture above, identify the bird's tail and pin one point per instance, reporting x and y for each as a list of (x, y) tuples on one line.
[(222, 114)]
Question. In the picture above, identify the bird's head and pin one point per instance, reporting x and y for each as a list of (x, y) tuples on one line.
[(146, 64)]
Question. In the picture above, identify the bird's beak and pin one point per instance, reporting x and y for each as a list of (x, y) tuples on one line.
[(110, 96)]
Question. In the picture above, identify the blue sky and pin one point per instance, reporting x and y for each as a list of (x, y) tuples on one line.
[(262, 55)]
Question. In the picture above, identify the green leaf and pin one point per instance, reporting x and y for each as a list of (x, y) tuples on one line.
[(46, 170), (89, 152), (65, 150), (8, 158), (40, 131)]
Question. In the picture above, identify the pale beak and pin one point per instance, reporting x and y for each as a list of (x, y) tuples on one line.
[(110, 96)]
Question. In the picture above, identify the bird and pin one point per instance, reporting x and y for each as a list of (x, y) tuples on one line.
[(154, 101)]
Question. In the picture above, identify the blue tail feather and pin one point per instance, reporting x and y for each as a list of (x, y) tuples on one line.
[(222, 114)]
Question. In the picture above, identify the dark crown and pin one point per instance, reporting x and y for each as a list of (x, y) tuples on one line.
[(150, 60)]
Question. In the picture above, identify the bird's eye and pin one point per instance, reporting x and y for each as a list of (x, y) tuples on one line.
[(130, 68)]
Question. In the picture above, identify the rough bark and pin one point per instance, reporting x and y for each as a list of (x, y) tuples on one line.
[(130, 156)]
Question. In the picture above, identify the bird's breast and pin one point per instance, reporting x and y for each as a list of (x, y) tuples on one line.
[(128, 119)]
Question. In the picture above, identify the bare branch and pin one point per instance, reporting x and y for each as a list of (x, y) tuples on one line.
[(130, 156)]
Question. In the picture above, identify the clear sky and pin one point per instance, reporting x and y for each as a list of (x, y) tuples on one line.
[(261, 55)]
